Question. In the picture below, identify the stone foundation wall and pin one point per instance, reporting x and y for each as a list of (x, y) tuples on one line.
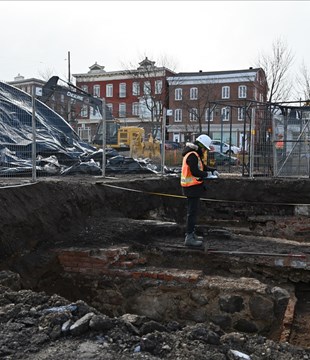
[(117, 281)]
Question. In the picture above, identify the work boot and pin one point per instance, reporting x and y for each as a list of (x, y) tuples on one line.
[(190, 240), (198, 238)]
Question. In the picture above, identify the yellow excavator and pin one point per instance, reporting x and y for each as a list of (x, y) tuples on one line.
[(128, 138)]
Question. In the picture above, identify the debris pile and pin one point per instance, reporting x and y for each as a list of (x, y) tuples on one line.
[(59, 150), (38, 326)]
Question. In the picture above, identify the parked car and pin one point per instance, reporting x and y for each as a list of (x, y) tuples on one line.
[(172, 145), (216, 146), (218, 158)]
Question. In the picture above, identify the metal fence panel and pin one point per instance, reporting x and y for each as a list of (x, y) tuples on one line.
[(291, 142), (57, 149), (16, 133), (276, 144)]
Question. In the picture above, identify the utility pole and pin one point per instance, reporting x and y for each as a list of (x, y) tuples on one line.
[(69, 100), (69, 70)]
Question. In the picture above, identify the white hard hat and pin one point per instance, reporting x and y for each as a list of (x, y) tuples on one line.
[(204, 140)]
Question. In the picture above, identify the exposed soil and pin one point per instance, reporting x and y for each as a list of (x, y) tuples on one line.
[(83, 213)]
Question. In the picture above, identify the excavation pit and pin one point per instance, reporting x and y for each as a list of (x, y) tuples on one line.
[(118, 245)]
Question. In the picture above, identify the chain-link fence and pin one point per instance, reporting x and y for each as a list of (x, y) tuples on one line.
[(291, 140), (276, 144), (35, 141)]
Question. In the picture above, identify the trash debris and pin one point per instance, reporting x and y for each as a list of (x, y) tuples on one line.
[(237, 355), (59, 309)]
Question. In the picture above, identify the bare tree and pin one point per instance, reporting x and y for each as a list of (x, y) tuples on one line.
[(198, 105), (153, 93), (46, 74), (277, 66), (303, 81)]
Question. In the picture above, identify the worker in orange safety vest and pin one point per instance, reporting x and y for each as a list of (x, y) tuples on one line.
[(194, 171), (280, 145)]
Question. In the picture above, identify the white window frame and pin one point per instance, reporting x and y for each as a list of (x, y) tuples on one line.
[(178, 115), (242, 91), (178, 94), (158, 107), (84, 111), (122, 109), (193, 114), (93, 110), (225, 92), (122, 90), (96, 90), (211, 115), (193, 93), (225, 114), (109, 90), (240, 113), (147, 88), (136, 88), (135, 109), (158, 87)]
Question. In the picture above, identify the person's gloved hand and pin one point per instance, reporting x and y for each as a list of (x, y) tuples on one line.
[(210, 175), (213, 171), (209, 168)]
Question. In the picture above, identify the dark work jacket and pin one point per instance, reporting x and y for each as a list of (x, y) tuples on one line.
[(192, 161)]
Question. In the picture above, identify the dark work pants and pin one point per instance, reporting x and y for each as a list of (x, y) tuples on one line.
[(192, 211)]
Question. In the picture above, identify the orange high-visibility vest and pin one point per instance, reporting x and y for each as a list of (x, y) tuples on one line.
[(279, 144), (187, 179)]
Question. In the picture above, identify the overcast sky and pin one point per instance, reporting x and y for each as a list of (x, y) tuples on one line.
[(191, 35)]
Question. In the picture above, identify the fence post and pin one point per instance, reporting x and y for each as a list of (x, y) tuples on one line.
[(163, 141), (104, 139), (33, 123)]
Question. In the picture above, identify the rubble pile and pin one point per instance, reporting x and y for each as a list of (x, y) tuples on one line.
[(38, 326)]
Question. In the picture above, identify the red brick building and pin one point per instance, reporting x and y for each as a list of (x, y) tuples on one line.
[(224, 104), (134, 97), (58, 102), (227, 105)]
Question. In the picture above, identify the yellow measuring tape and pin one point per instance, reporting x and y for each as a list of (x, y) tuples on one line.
[(202, 199)]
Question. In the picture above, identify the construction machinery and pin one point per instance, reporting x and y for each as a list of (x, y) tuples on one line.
[(121, 138), (117, 136)]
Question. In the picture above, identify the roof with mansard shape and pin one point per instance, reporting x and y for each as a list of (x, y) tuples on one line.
[(97, 71), (227, 76)]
